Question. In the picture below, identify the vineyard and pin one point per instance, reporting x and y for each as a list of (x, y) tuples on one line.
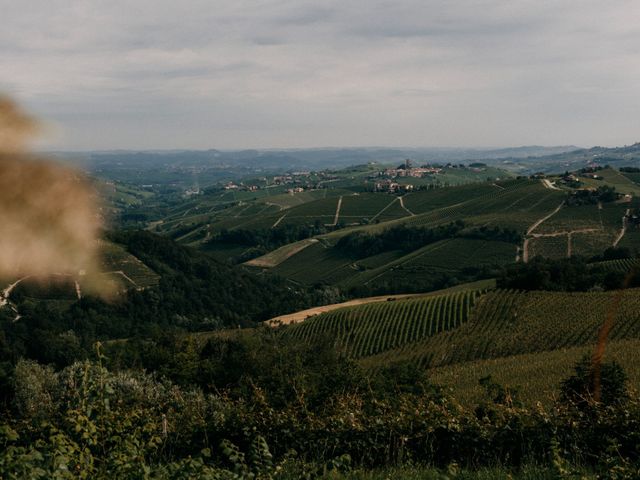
[(445, 256), (634, 177), (288, 200), (621, 265), (614, 178), (535, 377), (428, 200), (393, 211), (631, 240), (549, 247), (319, 263), (126, 268), (372, 328), (314, 264), (571, 218), (514, 204), (364, 205), (506, 323)]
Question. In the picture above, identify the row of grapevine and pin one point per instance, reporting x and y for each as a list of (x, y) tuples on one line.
[(505, 323), (372, 328), (621, 265), (536, 376), (511, 201)]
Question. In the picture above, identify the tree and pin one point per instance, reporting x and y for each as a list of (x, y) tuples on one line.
[(579, 389)]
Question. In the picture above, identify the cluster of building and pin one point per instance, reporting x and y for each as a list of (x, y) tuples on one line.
[(390, 186), (299, 181), (292, 178), (408, 170), (241, 187)]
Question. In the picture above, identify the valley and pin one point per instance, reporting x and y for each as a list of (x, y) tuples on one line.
[(464, 280)]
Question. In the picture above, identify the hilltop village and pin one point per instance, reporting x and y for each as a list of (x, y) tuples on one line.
[(377, 178)]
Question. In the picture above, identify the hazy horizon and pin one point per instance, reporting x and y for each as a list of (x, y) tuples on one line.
[(328, 147), (276, 74)]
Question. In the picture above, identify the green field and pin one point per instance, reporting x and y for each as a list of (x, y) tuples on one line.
[(621, 182), (585, 230), (428, 200), (514, 204), (320, 263), (316, 264)]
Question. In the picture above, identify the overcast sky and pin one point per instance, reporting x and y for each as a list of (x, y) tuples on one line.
[(238, 74)]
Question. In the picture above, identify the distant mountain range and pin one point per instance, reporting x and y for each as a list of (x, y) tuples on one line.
[(525, 159)]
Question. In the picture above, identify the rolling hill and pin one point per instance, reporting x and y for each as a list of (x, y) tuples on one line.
[(464, 335)]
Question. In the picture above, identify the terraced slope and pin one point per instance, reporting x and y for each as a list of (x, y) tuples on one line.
[(376, 327), (506, 323)]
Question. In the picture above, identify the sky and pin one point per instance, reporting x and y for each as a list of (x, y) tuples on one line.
[(156, 74)]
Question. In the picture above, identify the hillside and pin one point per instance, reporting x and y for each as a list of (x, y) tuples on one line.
[(532, 377), (461, 336), (282, 228), (273, 205)]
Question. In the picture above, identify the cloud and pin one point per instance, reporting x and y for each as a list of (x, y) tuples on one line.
[(274, 73)]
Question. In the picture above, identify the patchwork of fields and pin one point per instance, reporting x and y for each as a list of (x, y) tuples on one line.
[(459, 335)]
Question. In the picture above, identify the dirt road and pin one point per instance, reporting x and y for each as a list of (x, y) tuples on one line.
[(4, 296), (278, 221), (543, 219), (304, 314), (405, 208), (525, 244), (335, 219), (624, 228), (549, 185)]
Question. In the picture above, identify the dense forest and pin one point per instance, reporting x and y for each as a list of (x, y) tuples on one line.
[(195, 293)]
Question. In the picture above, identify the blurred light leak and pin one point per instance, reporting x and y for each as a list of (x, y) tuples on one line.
[(16, 127), (49, 214), (603, 335)]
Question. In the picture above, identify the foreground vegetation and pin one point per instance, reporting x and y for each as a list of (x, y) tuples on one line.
[(305, 413)]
